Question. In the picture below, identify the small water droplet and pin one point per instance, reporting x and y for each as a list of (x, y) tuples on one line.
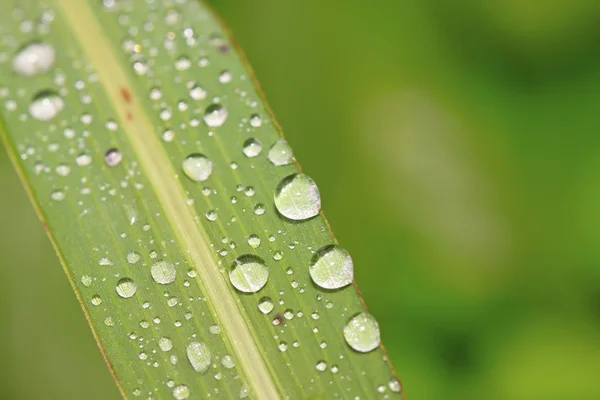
[(83, 160), (362, 333), (227, 361), (63, 169), (57, 195), (197, 167), (34, 59), (248, 273), (181, 392), (332, 268), (211, 215), (198, 93), (321, 366), (265, 305), (394, 385), (254, 241), (163, 272), (215, 115), (126, 288), (45, 105), (86, 280), (252, 147), (183, 63), (165, 344), (255, 120), (96, 300), (280, 153), (113, 157), (259, 209), (199, 355), (133, 257), (225, 77), (297, 197)]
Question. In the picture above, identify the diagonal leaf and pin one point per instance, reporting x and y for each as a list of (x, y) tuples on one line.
[(198, 256)]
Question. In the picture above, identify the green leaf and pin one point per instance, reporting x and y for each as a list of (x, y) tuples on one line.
[(196, 250)]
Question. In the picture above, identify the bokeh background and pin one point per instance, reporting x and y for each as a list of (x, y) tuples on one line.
[(456, 145)]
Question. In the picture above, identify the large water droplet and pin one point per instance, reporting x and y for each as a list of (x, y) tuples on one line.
[(163, 272), (332, 268), (34, 59), (280, 153), (46, 105), (248, 273), (362, 333), (252, 147), (297, 197), (215, 115), (197, 167), (199, 355), (126, 288)]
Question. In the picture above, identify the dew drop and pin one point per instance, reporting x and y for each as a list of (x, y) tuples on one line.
[(225, 77), (215, 115), (83, 160), (86, 280), (280, 153), (259, 209), (58, 195), (163, 272), (165, 344), (332, 268), (183, 63), (63, 169), (252, 147), (96, 300), (297, 197), (362, 333), (248, 273), (181, 392), (126, 288), (394, 385), (321, 366), (227, 361), (46, 105), (255, 120), (113, 157), (265, 305), (254, 241), (34, 59), (133, 257), (197, 167), (198, 354), (197, 93)]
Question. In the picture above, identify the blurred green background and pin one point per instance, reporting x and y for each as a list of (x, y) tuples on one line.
[(457, 149)]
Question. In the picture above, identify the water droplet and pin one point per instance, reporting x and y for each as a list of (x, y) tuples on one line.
[(168, 136), (254, 241), (163, 272), (181, 392), (199, 355), (133, 257), (259, 209), (215, 115), (86, 280), (126, 288), (321, 366), (63, 169), (113, 157), (252, 147), (34, 59), (165, 344), (214, 329), (96, 300), (211, 215), (332, 268), (255, 120), (280, 153), (83, 160), (394, 385), (183, 63), (282, 346), (46, 105), (227, 361), (108, 321), (297, 197), (248, 273), (197, 93), (362, 333), (141, 67), (57, 195), (265, 305), (197, 167), (225, 77)]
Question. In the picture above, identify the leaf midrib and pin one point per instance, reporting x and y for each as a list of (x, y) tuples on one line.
[(160, 172)]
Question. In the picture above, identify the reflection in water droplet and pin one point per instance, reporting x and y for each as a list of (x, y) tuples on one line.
[(113, 157), (199, 355), (46, 105), (197, 167), (215, 115), (126, 288), (332, 268), (265, 305), (362, 333), (163, 272), (252, 147), (248, 273), (280, 153), (34, 59), (297, 197)]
